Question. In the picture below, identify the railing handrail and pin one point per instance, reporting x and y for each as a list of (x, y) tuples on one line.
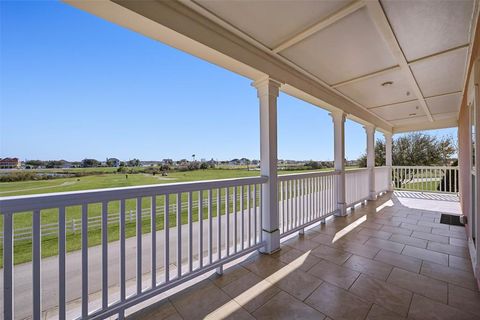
[(74, 198), (428, 167), (355, 170), (303, 175)]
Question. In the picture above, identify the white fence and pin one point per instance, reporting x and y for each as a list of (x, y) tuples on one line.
[(381, 179), (223, 231), (356, 186), (426, 179), (191, 238), (305, 199)]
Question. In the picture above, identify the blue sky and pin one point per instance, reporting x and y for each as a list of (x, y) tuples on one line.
[(74, 86)]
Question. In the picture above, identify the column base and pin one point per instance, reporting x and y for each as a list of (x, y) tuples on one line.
[(373, 196), (342, 210), (272, 241)]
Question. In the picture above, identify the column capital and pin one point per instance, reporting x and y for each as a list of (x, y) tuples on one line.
[(369, 128), (267, 87), (388, 135), (338, 115)]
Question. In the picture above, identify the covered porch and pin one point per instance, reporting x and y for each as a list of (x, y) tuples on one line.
[(388, 259), (341, 244)]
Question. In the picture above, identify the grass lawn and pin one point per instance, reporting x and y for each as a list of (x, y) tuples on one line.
[(22, 249)]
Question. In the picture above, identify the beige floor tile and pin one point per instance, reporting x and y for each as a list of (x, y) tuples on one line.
[(461, 235), (250, 291), (296, 282), (426, 309), (379, 313), (399, 260), (384, 294), (301, 244), (397, 230), (385, 244), (460, 263), (358, 249), (199, 300), (415, 227), (372, 225), (430, 237), (288, 256), (458, 242), (231, 311), (375, 233), (373, 268), (464, 299), (263, 265), (335, 274), (450, 275), (338, 303), (322, 238), (448, 249), (229, 275), (284, 306), (414, 242), (162, 310), (428, 287), (424, 254), (331, 254)]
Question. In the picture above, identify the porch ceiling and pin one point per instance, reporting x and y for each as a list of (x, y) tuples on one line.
[(338, 53), (422, 47)]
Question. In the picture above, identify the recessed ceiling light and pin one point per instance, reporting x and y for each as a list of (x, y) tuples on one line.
[(387, 83)]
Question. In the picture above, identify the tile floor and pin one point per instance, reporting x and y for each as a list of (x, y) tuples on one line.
[(397, 262)]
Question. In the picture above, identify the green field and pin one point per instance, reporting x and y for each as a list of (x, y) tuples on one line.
[(22, 249)]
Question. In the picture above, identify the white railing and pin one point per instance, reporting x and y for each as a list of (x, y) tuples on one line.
[(426, 179), (305, 199), (381, 179), (356, 186), (188, 243)]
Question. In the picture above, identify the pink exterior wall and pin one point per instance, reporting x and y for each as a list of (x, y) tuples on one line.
[(464, 140)]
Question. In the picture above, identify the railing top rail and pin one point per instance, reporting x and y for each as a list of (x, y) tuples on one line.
[(355, 170), (295, 176), (61, 199), (426, 167)]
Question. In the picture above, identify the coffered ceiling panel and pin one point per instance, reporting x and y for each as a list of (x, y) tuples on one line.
[(371, 93), (444, 104), (426, 27), (441, 74), (272, 22), (399, 111), (349, 48), (409, 121)]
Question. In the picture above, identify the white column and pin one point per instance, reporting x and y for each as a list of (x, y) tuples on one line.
[(388, 158), (267, 91), (338, 118), (370, 131)]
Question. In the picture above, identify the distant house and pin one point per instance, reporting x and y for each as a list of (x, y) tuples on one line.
[(113, 162), (10, 163)]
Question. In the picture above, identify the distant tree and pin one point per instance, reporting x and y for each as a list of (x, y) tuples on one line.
[(379, 155), (204, 165), (415, 149), (133, 163), (90, 163), (35, 163)]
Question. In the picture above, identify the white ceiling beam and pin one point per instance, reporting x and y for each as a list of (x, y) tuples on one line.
[(365, 77), (439, 124), (343, 12), (380, 19)]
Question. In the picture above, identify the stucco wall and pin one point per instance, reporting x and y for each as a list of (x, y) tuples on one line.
[(463, 135)]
